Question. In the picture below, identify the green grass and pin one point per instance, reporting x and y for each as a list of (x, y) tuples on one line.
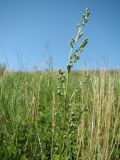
[(38, 124), (60, 116)]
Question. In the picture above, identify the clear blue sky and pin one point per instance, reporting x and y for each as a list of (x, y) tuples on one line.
[(27, 26)]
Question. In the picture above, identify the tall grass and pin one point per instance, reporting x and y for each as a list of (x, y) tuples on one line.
[(34, 125), (60, 116)]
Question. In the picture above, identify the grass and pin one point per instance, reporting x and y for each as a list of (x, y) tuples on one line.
[(60, 116), (36, 124)]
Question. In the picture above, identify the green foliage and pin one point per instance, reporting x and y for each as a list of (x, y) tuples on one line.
[(2, 69), (75, 55), (34, 123), (60, 116)]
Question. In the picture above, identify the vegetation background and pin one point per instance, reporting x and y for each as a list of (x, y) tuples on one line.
[(63, 115)]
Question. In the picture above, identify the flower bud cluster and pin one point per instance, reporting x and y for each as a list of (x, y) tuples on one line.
[(74, 56), (61, 82), (85, 17)]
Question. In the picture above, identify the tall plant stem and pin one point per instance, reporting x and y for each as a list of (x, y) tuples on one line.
[(69, 58)]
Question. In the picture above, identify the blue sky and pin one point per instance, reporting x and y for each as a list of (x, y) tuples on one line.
[(28, 26)]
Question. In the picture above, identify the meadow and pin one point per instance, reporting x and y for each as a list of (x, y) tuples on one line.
[(38, 123), (60, 115)]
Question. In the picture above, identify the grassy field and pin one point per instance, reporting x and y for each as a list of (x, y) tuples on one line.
[(38, 123)]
